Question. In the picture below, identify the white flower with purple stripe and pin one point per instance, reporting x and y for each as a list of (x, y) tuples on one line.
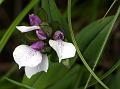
[(31, 58), (63, 49)]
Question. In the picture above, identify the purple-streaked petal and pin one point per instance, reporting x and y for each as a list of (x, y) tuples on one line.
[(43, 66), (39, 45), (24, 55), (34, 20), (41, 34), (63, 49), (58, 35), (27, 28)]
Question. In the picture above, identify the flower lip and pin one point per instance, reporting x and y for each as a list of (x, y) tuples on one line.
[(24, 55), (58, 35), (39, 45), (43, 66), (63, 49), (34, 20), (41, 34)]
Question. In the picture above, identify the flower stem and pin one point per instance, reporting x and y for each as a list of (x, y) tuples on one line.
[(109, 9), (77, 48), (104, 43)]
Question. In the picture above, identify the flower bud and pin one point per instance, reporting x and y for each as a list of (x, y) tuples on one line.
[(39, 45), (58, 35), (41, 34), (34, 20)]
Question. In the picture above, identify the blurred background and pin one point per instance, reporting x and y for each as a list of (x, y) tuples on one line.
[(83, 13)]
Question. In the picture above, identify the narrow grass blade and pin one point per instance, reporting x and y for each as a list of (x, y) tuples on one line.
[(77, 48)]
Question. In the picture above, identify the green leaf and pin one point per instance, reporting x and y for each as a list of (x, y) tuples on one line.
[(11, 29), (95, 48), (17, 83), (78, 49), (115, 81), (42, 14), (112, 69), (1, 33), (92, 39), (54, 15), (7, 85), (88, 34), (42, 80), (68, 81)]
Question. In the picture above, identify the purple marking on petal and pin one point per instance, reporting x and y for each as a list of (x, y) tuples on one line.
[(39, 45), (41, 34), (58, 35), (34, 20)]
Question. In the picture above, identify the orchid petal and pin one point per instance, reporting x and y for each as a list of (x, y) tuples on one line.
[(58, 35), (34, 20), (27, 28), (43, 66), (24, 55), (63, 49)]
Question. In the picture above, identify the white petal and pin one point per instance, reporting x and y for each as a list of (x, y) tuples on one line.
[(63, 49), (27, 28), (26, 56), (43, 66)]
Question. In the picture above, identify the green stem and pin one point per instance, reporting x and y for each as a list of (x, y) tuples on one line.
[(77, 48), (50, 11), (103, 46), (109, 9), (117, 65), (18, 84)]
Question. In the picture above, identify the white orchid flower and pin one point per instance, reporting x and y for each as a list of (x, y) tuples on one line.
[(63, 49), (32, 60)]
